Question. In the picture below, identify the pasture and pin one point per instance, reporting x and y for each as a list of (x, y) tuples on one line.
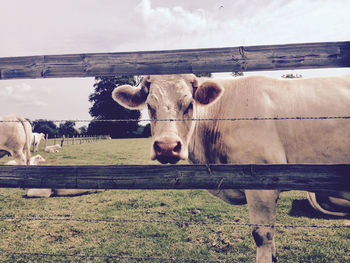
[(147, 241)]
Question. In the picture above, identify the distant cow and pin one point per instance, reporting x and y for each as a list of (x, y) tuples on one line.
[(37, 137), (52, 148), (35, 160), (15, 138), (185, 97)]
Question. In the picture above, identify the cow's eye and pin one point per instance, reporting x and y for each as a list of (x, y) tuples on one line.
[(152, 111), (189, 108)]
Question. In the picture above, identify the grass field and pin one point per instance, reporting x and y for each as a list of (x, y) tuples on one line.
[(147, 241)]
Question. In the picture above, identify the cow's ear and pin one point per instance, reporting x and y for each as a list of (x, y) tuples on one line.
[(131, 97), (208, 92)]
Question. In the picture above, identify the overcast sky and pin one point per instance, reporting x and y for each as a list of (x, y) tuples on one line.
[(42, 27)]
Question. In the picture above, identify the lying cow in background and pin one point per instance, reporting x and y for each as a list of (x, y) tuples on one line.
[(44, 192), (330, 204), (15, 138), (52, 148), (246, 141), (37, 137), (35, 160)]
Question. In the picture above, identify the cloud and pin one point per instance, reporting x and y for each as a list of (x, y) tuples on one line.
[(22, 94), (160, 20), (106, 26), (237, 23)]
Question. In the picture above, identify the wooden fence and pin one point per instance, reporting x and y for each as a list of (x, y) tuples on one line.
[(79, 139), (250, 58)]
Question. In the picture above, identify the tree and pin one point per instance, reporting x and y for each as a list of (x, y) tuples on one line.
[(146, 131), (203, 74), (292, 76), (67, 129), (83, 130), (105, 108), (46, 127), (237, 74)]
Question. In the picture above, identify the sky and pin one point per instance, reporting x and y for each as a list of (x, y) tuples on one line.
[(41, 27)]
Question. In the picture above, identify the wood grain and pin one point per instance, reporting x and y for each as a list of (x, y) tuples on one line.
[(284, 177), (231, 59)]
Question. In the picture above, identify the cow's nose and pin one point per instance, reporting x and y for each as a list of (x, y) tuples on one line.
[(167, 150)]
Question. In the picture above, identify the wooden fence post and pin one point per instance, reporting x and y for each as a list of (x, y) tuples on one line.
[(62, 141), (46, 139)]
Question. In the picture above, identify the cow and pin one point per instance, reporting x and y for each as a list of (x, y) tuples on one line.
[(330, 204), (15, 138), (35, 160), (52, 148), (246, 141), (37, 137), (48, 192)]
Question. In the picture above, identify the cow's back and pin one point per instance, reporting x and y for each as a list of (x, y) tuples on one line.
[(276, 141), (15, 136), (12, 134)]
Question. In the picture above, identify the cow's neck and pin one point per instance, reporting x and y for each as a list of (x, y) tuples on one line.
[(205, 145)]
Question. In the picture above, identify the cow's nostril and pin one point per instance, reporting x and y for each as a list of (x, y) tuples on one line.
[(157, 148), (177, 148)]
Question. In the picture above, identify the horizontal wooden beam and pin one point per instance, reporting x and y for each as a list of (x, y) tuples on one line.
[(231, 59), (284, 177)]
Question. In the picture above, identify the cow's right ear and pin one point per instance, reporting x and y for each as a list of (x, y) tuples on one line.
[(131, 97)]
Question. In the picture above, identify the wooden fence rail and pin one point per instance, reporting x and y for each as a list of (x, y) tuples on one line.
[(284, 177), (231, 59)]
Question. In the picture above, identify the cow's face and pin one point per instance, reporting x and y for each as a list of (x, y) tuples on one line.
[(169, 97)]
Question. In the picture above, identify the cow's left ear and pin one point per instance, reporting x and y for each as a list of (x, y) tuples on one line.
[(208, 92)]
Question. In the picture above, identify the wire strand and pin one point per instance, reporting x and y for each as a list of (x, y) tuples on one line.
[(2, 218), (171, 259), (198, 119)]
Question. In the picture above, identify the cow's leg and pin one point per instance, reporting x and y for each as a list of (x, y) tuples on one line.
[(39, 192), (231, 196), (19, 157), (262, 210), (72, 192)]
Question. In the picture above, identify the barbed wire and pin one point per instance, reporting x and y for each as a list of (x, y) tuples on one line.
[(171, 259), (181, 223), (195, 119)]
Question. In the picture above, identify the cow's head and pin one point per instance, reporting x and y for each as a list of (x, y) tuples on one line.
[(175, 97)]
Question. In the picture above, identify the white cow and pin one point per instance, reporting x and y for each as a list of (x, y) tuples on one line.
[(35, 160), (52, 148), (15, 138), (48, 192), (246, 141), (37, 137)]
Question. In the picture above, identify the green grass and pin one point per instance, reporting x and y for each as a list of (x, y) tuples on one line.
[(155, 240)]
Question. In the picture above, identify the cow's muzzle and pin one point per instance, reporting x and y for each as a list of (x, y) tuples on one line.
[(167, 150)]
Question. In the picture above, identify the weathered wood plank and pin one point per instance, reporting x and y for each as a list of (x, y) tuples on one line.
[(284, 177), (249, 58)]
